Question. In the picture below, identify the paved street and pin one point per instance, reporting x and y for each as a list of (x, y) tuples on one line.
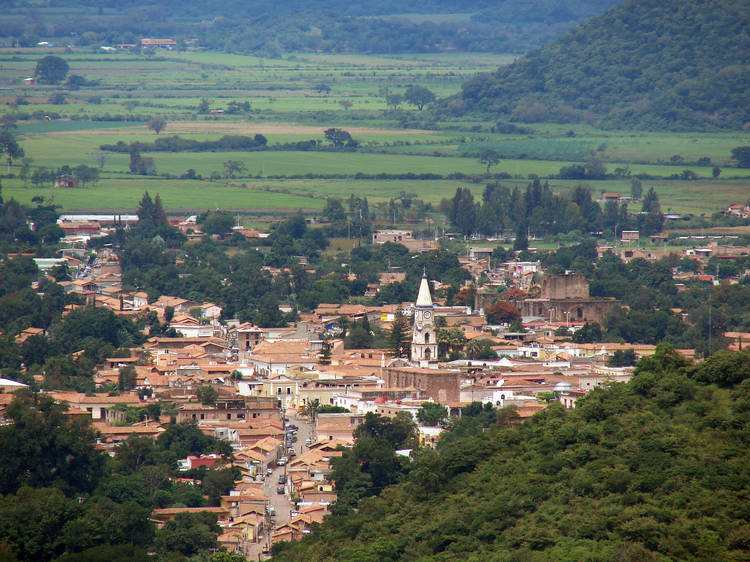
[(281, 502)]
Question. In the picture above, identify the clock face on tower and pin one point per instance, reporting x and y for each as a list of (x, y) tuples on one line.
[(427, 314)]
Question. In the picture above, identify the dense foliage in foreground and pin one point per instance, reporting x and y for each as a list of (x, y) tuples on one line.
[(655, 469), (62, 497), (648, 64)]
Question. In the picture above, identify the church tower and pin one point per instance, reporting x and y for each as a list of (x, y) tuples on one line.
[(424, 349)]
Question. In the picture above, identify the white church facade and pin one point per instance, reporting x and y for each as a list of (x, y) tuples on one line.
[(424, 345)]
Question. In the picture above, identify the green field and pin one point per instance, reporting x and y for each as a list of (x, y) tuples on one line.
[(295, 98)]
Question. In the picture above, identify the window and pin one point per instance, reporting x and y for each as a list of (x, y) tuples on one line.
[(203, 416), (229, 416), (288, 390), (427, 337)]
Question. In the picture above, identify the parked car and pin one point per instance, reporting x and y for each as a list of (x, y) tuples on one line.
[(280, 490), (271, 510), (269, 471), (282, 479), (282, 461), (308, 442)]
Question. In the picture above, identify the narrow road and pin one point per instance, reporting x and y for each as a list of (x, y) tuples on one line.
[(281, 503)]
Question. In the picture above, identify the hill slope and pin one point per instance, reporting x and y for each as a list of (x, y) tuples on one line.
[(655, 469), (645, 63), (271, 28)]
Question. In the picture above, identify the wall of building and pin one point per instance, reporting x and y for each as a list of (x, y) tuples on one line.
[(441, 386), (569, 286)]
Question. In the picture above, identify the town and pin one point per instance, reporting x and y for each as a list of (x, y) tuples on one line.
[(338, 280), (287, 397)]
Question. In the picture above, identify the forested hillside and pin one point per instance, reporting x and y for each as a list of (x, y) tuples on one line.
[(656, 469), (646, 63), (507, 26)]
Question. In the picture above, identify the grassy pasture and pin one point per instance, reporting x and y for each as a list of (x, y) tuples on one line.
[(123, 194), (287, 106)]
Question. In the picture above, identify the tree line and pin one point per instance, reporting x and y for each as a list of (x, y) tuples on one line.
[(539, 211)]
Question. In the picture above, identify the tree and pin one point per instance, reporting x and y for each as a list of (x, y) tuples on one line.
[(489, 158), (51, 69), (636, 188), (157, 124), (32, 520), (203, 106), (218, 222), (339, 138), (450, 341), (742, 155), (432, 413), (501, 312), (359, 337), (140, 165), (188, 534), (622, 358), (217, 483), (346, 104), (521, 242), (127, 378), (650, 221), (9, 147), (207, 395), (48, 448), (589, 333), (399, 340), (716, 172), (86, 174), (324, 357), (310, 410), (226, 557), (419, 96), (394, 100), (135, 452), (233, 168), (480, 349), (462, 211), (334, 210)]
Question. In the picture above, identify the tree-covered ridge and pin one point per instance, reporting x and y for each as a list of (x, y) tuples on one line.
[(649, 64), (655, 469), (306, 25)]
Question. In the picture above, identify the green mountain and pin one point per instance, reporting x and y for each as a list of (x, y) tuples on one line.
[(676, 64), (272, 28), (655, 469)]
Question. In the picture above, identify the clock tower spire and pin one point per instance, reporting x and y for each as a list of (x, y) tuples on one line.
[(424, 349)]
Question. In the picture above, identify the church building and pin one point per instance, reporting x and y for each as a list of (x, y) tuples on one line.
[(424, 348)]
